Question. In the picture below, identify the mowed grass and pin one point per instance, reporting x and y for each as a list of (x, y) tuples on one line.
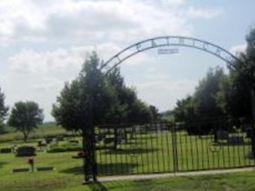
[(144, 153), (50, 129), (226, 182)]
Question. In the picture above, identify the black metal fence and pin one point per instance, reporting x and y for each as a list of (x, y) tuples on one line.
[(170, 147)]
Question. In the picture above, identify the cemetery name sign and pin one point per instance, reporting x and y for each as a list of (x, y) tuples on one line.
[(168, 51)]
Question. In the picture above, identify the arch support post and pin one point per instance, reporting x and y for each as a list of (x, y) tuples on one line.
[(89, 144), (253, 120), (89, 160)]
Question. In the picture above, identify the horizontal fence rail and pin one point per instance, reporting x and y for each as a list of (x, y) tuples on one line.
[(171, 147)]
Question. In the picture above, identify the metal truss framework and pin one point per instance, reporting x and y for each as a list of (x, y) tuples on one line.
[(163, 41)]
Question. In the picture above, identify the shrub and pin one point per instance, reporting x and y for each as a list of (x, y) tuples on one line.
[(5, 150), (25, 151), (80, 154), (64, 148)]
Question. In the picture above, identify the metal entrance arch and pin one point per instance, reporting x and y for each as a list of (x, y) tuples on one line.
[(174, 146), (168, 41)]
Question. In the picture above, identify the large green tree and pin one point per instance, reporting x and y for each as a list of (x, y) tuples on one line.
[(82, 105), (126, 106), (235, 95), (205, 95), (115, 103), (201, 109), (25, 117), (85, 102), (3, 111), (94, 98)]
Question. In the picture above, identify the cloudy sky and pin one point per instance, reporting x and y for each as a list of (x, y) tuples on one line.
[(44, 43)]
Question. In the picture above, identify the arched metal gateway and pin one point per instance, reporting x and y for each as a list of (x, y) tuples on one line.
[(169, 41), (164, 147)]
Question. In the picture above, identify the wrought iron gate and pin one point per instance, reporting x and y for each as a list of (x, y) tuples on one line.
[(167, 147)]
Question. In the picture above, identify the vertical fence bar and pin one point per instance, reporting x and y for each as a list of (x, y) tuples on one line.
[(202, 151), (238, 148), (147, 166), (141, 145), (120, 149), (179, 145), (158, 151), (168, 147), (186, 151), (175, 154), (207, 152), (192, 154), (99, 150), (217, 144), (197, 153), (162, 146), (151, 144)]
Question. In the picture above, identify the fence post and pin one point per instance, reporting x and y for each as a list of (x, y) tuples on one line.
[(174, 147), (253, 120), (89, 161)]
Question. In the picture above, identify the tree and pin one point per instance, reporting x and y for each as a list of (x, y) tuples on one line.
[(205, 95), (154, 113), (82, 105), (235, 96), (94, 98), (84, 102), (126, 107), (199, 110), (25, 117), (3, 111)]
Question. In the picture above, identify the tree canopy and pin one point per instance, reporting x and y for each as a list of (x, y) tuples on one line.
[(222, 96), (3, 111), (25, 117), (98, 97)]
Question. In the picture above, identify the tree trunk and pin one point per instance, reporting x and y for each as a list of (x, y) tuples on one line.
[(115, 138), (25, 136)]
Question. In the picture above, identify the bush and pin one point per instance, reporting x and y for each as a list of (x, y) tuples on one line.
[(64, 148), (5, 150), (25, 151)]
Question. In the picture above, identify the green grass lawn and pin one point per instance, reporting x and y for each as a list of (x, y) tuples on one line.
[(145, 153), (49, 182), (228, 182), (49, 129)]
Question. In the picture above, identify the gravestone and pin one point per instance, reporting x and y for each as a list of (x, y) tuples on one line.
[(20, 170), (25, 151), (74, 141), (236, 140), (42, 143), (5, 150), (48, 140), (45, 168), (222, 135)]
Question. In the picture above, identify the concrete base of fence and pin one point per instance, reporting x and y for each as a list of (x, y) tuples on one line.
[(164, 175)]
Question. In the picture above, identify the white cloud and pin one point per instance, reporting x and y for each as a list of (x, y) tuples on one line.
[(77, 22), (40, 76), (68, 29), (237, 49), (206, 13)]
